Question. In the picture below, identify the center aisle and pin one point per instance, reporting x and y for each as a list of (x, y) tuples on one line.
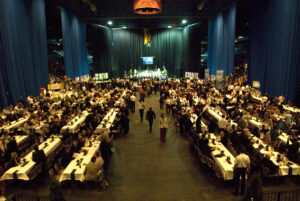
[(143, 168)]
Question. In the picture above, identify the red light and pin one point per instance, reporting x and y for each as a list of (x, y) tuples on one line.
[(147, 7)]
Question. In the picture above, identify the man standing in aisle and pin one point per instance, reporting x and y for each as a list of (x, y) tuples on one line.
[(132, 102), (241, 167), (150, 116)]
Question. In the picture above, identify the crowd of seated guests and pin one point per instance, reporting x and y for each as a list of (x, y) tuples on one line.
[(236, 105), (53, 112)]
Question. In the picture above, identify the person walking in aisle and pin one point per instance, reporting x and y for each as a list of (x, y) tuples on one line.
[(150, 116), (132, 102), (163, 125), (141, 109)]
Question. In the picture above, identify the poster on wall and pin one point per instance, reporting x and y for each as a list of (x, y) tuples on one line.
[(256, 84), (219, 74), (191, 75), (206, 73)]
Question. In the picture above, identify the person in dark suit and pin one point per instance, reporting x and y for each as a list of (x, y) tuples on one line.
[(125, 123), (150, 116), (39, 156)]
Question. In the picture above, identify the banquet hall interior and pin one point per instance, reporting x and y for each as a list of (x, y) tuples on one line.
[(155, 100)]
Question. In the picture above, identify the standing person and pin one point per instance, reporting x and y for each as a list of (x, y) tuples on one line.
[(150, 116), (124, 120), (241, 167), (141, 109), (163, 125), (132, 102)]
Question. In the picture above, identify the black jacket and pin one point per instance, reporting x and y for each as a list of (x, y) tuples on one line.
[(150, 115)]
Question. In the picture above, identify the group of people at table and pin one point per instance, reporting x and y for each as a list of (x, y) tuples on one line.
[(234, 127), (229, 128), (66, 133)]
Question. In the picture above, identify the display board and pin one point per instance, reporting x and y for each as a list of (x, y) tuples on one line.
[(191, 75), (101, 76)]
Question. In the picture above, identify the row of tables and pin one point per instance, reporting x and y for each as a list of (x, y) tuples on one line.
[(222, 157), (26, 169), (284, 165)]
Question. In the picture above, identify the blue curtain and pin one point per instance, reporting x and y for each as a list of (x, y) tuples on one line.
[(23, 49), (74, 40), (221, 36), (275, 46)]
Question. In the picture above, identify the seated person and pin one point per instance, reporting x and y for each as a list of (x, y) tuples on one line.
[(38, 156), (92, 170), (266, 162), (293, 150)]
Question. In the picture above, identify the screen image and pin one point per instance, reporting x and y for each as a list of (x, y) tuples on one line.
[(147, 60)]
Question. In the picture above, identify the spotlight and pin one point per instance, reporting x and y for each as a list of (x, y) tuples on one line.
[(109, 23), (169, 26), (184, 21)]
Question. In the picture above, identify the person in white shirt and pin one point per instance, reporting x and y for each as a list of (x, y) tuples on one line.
[(222, 123), (141, 109), (163, 125), (241, 167), (132, 102)]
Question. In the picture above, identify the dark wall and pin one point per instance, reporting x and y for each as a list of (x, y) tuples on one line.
[(118, 50), (274, 46), (23, 49)]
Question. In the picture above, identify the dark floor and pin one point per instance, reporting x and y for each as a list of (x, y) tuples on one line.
[(143, 168)]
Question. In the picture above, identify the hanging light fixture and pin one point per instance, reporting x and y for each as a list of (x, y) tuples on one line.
[(147, 7)]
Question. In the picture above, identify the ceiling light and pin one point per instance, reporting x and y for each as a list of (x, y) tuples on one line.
[(169, 26), (109, 23), (184, 21), (147, 7)]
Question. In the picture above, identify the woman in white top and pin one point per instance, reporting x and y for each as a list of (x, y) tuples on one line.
[(141, 109), (163, 125)]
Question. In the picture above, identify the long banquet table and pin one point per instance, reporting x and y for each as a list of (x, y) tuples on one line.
[(214, 114), (77, 167), (286, 167), (25, 171), (14, 125), (73, 125), (291, 109), (107, 121), (225, 166)]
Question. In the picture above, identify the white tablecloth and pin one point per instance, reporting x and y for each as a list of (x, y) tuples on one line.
[(255, 123), (79, 170), (107, 121), (214, 114), (283, 169), (20, 139), (14, 125), (225, 167), (291, 109), (75, 123), (39, 129), (22, 173)]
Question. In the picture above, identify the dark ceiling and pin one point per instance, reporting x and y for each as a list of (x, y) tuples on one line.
[(121, 12)]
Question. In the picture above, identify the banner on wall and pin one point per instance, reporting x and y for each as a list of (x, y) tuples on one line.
[(219, 74), (56, 86), (101, 76), (206, 73), (256, 84), (191, 75)]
